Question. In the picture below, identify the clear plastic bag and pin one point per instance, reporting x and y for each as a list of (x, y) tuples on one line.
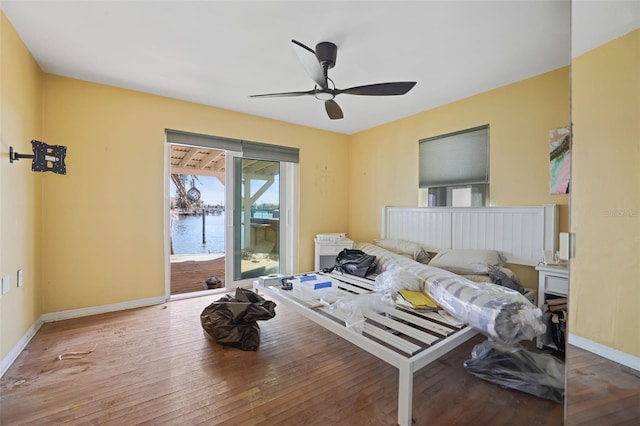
[(515, 367), (395, 279), (352, 308)]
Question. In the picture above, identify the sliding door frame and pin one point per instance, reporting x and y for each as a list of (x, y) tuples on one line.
[(288, 199)]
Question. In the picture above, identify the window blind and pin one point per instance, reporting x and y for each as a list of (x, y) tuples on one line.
[(265, 151), (454, 159), (248, 149)]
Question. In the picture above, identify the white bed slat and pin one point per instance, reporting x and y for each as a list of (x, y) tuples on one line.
[(352, 288), (402, 328), (436, 316), (361, 282), (387, 337), (429, 325), (383, 335)]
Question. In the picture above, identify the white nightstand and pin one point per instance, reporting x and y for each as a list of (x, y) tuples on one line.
[(326, 252), (553, 282)]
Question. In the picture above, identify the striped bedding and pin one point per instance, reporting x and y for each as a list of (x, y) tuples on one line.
[(501, 314)]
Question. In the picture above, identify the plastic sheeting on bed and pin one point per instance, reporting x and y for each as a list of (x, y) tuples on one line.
[(499, 313)]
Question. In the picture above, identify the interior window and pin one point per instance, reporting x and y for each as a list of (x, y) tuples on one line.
[(454, 169)]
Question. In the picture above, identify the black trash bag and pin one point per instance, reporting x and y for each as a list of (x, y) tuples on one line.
[(515, 367), (231, 321), (355, 262)]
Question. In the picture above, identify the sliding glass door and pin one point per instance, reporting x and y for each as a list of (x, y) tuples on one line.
[(260, 229), (260, 189), (257, 207)]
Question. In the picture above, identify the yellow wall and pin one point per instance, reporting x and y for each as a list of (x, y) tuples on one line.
[(384, 160), (103, 228), (605, 211), (20, 188)]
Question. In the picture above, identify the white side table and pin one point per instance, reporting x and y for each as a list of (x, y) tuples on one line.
[(326, 252), (553, 280)]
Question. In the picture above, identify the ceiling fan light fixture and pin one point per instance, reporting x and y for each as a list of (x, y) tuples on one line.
[(324, 95)]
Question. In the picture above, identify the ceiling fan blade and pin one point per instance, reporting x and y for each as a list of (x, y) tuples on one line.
[(283, 95), (308, 58), (333, 110), (380, 89)]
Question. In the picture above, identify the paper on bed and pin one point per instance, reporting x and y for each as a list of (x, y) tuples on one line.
[(418, 299)]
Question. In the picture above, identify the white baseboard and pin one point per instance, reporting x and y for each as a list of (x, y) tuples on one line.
[(605, 351), (13, 354), (94, 310)]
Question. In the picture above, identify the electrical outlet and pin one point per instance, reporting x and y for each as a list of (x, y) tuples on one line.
[(19, 280), (6, 284)]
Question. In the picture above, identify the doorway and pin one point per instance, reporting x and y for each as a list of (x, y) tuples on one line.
[(197, 219), (234, 202)]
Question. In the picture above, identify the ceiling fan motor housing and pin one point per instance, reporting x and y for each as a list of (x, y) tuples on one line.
[(326, 52)]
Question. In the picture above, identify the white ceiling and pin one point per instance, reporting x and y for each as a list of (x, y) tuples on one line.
[(219, 52)]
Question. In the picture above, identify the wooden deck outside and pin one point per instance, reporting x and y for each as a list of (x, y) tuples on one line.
[(154, 365), (191, 275)]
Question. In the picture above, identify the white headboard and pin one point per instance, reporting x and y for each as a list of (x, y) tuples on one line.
[(519, 233)]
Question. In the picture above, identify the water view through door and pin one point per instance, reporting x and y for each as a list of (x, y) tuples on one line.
[(232, 217), (197, 219)]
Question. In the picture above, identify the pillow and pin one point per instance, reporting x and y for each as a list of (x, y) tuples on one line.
[(468, 261), (406, 248)]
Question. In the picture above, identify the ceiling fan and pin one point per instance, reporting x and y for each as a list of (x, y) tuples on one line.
[(318, 63)]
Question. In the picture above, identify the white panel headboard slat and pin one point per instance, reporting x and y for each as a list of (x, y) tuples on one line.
[(520, 233)]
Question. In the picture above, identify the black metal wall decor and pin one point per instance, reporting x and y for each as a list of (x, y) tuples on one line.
[(46, 158)]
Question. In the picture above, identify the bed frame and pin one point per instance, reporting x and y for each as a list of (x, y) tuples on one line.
[(411, 340)]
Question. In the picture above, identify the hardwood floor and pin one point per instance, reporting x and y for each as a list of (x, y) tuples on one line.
[(600, 392), (154, 365)]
